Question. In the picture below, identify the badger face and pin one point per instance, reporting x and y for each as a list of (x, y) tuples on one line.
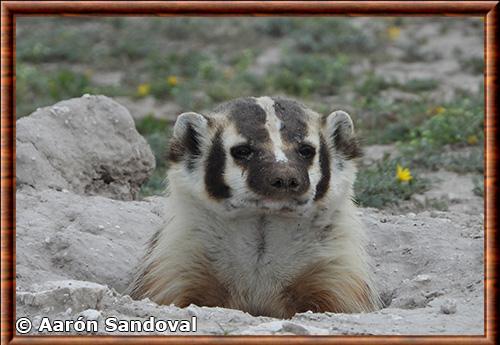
[(262, 155)]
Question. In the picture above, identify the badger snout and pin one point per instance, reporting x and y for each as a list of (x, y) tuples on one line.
[(279, 181)]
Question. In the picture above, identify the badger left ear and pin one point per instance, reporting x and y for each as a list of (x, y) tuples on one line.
[(340, 129), (189, 124)]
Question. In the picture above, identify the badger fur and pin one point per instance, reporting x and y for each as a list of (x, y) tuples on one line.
[(261, 216)]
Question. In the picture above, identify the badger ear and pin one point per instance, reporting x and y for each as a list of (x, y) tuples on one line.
[(340, 130), (187, 135), (189, 123)]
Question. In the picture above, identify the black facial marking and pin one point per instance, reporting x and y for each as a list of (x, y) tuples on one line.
[(324, 164), (250, 119), (293, 117), (350, 148), (306, 152), (214, 174)]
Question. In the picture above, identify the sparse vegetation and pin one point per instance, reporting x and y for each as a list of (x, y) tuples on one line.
[(458, 125), (198, 62), (378, 186)]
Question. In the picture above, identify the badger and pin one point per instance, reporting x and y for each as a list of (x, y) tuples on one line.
[(261, 214)]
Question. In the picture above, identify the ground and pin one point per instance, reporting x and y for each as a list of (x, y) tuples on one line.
[(413, 87)]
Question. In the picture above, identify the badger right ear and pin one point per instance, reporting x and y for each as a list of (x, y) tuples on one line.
[(340, 128), (188, 131)]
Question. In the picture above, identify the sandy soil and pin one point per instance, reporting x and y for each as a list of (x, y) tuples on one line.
[(76, 251), (78, 261)]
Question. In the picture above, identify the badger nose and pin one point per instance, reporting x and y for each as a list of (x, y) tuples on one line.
[(285, 183), (279, 181)]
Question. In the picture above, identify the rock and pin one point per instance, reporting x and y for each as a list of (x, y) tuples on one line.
[(449, 306), (86, 145), (294, 328), (60, 296), (91, 314), (422, 278), (72, 244), (283, 327)]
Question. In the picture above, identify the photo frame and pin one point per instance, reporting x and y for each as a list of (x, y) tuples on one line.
[(13, 9)]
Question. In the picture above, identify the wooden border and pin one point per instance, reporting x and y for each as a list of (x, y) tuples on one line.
[(9, 9)]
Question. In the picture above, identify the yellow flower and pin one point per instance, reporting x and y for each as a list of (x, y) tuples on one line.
[(172, 80), (439, 110), (143, 89), (403, 174), (393, 32), (472, 140)]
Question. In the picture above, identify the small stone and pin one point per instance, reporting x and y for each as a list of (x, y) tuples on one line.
[(101, 227), (91, 314), (294, 328), (422, 278), (449, 306)]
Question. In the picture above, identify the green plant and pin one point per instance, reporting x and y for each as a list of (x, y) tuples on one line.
[(473, 65), (372, 85), (277, 27), (383, 122), (331, 35), (457, 125), (418, 85), (48, 87), (377, 186), (304, 74)]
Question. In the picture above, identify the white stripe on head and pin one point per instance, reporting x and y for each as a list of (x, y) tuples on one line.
[(273, 125)]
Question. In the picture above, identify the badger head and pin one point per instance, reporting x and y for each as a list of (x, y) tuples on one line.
[(263, 155)]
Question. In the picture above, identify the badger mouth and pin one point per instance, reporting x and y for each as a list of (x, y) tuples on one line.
[(268, 205)]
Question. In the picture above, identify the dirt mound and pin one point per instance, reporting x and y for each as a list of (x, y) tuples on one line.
[(87, 145)]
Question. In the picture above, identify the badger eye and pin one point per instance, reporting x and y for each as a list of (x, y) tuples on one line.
[(241, 152), (306, 151)]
